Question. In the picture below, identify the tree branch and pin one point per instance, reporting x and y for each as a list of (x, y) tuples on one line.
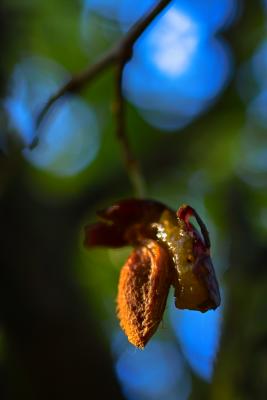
[(77, 82), (140, 26), (120, 54), (121, 51)]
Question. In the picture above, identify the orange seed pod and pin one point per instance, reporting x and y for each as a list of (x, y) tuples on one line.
[(143, 289)]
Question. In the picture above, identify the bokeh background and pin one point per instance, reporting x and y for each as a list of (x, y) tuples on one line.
[(196, 91)]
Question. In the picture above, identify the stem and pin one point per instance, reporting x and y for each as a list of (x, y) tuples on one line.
[(131, 164)]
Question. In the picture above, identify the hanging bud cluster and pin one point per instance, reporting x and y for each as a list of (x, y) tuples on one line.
[(168, 250)]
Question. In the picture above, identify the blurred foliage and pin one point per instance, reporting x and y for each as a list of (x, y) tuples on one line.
[(59, 333)]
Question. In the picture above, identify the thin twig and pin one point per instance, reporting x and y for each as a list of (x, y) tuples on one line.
[(120, 55), (140, 26), (131, 164), (77, 82), (125, 49), (121, 51)]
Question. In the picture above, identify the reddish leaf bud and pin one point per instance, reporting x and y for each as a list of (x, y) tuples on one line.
[(168, 250)]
